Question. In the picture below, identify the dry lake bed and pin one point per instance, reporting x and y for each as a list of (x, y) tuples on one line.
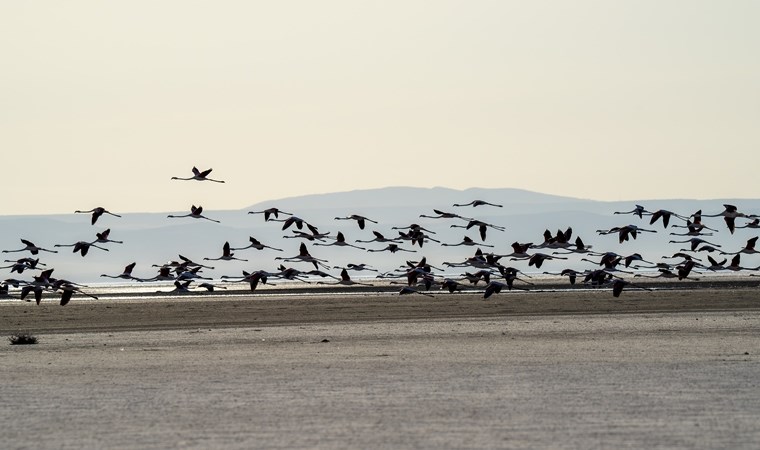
[(673, 369)]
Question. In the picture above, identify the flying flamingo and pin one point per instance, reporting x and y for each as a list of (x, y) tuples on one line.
[(345, 279), (693, 230), (195, 213), (360, 220), (445, 215), (729, 214), (393, 248), (102, 238), (379, 238), (270, 212), (126, 275), (638, 211), (81, 247), (475, 203), (199, 176), (304, 256), (340, 241), (748, 249), (96, 213), (482, 227), (406, 290), (665, 215), (227, 255), (694, 243), (753, 224), (33, 249), (252, 278), (257, 245), (468, 242)]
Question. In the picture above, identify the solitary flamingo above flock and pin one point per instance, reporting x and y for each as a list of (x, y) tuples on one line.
[(418, 276)]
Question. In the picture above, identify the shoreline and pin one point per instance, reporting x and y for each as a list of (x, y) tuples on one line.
[(190, 311)]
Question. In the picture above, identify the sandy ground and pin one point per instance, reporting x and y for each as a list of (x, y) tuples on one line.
[(675, 369)]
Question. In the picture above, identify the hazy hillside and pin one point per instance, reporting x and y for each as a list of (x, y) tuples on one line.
[(155, 239)]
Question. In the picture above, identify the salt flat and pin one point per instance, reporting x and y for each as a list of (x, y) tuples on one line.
[(642, 380)]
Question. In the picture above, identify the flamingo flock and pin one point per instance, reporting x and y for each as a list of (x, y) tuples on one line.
[(416, 276)]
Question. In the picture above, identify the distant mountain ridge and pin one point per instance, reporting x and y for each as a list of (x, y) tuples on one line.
[(413, 196)]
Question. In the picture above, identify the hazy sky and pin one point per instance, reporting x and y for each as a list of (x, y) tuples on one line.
[(103, 102)]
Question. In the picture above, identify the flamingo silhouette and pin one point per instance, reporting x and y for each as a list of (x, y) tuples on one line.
[(199, 176)]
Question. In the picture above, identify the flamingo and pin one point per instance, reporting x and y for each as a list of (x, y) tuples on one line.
[(30, 247), (624, 232), (561, 240), (729, 214), (406, 290), (482, 227), (696, 221), (393, 248), (252, 278), (379, 238), (23, 264), (340, 241), (474, 278), (475, 203), (257, 245), (663, 273), (445, 215), (96, 213), (665, 215), (360, 220), (580, 247), (195, 213), (715, 265), (304, 256), (417, 237), (495, 287), (571, 274), (126, 275), (519, 251), (164, 274), (199, 176), (68, 290), (466, 241), (102, 238), (345, 280), (357, 267), (753, 224), (414, 227), (537, 259), (227, 255), (635, 257), (210, 287), (694, 243), (638, 211), (81, 247), (271, 212), (308, 236), (734, 266), (694, 230), (191, 274), (451, 285), (748, 249), (290, 274), (618, 285)]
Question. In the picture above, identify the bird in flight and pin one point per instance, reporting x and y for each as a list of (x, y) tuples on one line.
[(199, 176), (196, 212), (475, 203), (97, 212)]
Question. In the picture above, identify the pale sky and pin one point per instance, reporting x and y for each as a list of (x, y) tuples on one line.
[(102, 102)]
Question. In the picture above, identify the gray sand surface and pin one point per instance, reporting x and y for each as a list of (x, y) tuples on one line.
[(664, 379)]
